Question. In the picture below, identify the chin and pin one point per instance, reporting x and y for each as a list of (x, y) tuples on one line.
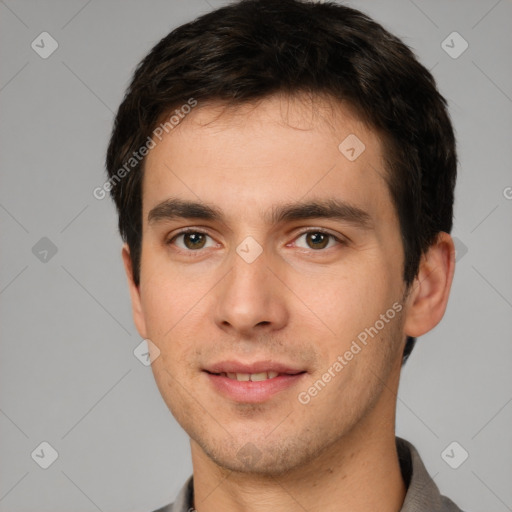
[(258, 456)]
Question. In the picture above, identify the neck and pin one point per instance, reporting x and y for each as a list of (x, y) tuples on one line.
[(359, 472)]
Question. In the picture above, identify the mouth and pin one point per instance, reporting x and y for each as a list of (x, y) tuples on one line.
[(252, 383), (252, 377)]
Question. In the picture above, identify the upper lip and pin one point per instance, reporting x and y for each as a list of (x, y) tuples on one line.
[(256, 367)]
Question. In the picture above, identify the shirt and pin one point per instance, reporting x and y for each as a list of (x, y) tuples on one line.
[(422, 493)]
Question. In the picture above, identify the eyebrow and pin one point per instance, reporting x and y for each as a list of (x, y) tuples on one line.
[(174, 208)]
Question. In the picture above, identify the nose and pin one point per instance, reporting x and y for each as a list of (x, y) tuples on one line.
[(251, 299)]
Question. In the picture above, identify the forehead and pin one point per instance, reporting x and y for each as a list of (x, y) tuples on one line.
[(277, 149)]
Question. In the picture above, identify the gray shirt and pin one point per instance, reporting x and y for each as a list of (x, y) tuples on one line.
[(422, 493)]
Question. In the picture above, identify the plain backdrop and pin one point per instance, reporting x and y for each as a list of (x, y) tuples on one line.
[(68, 373)]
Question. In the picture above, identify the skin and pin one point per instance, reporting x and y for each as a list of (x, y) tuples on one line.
[(296, 303)]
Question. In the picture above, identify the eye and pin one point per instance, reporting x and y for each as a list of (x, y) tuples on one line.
[(191, 240), (317, 239)]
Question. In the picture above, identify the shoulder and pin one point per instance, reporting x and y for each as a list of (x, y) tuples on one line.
[(422, 492), (184, 501)]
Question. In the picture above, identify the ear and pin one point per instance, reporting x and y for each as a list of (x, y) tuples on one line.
[(137, 311), (430, 290)]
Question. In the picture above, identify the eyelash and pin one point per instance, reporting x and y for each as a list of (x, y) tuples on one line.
[(305, 232)]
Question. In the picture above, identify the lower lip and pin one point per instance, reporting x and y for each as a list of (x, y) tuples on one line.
[(252, 392)]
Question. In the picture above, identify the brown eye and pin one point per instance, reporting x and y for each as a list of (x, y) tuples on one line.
[(194, 240), (317, 240), (190, 240)]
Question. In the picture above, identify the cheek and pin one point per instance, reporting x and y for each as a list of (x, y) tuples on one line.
[(173, 310), (166, 297), (341, 304)]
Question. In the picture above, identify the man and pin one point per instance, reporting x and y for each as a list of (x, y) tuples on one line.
[(284, 175)]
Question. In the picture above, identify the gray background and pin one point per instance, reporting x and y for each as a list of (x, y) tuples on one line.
[(68, 373)]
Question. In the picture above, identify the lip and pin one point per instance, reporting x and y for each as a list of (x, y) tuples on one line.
[(256, 367), (248, 391)]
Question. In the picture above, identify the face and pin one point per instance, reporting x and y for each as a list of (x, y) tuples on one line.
[(307, 300)]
